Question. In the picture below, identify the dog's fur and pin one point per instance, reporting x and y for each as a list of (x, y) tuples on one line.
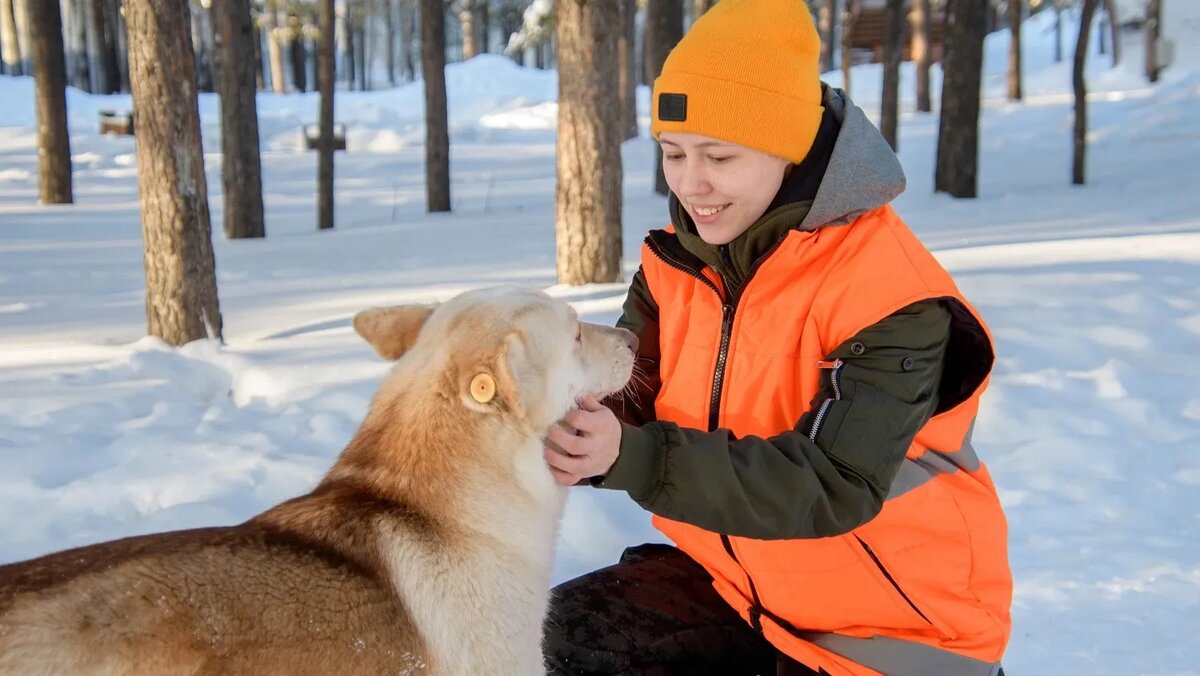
[(427, 547)]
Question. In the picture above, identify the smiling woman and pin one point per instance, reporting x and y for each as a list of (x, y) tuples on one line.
[(804, 363)]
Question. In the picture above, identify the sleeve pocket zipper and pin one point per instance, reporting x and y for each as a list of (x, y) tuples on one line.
[(834, 367)]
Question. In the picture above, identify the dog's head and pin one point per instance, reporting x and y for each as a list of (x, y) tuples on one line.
[(514, 353)]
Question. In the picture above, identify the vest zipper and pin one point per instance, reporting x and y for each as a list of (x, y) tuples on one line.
[(890, 579), (728, 309)]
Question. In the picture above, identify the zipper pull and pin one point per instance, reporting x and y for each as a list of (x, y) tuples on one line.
[(835, 364)]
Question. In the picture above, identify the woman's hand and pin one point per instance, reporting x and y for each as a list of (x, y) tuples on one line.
[(584, 444)]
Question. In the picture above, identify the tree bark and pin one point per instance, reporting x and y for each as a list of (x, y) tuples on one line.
[(827, 23), (325, 83), (105, 73), (241, 165), (298, 51), (120, 33), (437, 132), (181, 285), (50, 76), (1114, 25), (893, 43), (958, 130), (10, 45), (75, 24), (408, 34), (202, 44), (849, 14), (467, 18), (1079, 156), (626, 67), (274, 49), (1058, 30), (389, 27), (588, 197), (348, 53), (922, 54), (1014, 50), (664, 29), (1153, 29)]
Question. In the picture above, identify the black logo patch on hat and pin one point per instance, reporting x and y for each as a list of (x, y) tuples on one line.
[(672, 107)]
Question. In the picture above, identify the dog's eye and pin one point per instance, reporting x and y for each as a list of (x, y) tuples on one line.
[(579, 334)]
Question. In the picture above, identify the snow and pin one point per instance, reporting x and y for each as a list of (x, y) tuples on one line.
[(1090, 427)]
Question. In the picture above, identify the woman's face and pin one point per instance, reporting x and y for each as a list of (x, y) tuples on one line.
[(723, 186)]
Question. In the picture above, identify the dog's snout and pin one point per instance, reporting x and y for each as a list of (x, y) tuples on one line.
[(631, 339)]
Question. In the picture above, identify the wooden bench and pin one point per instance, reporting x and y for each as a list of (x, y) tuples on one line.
[(116, 122), (312, 136)]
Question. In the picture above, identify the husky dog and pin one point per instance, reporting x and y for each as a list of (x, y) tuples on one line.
[(427, 548)]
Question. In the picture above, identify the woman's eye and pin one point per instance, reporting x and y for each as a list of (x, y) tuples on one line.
[(719, 159), (673, 157)]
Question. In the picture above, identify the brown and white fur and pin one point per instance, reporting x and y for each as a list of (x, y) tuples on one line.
[(427, 548)]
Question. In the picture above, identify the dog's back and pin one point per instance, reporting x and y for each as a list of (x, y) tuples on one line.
[(243, 599)]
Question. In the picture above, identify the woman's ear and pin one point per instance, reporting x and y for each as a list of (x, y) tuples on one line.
[(392, 331)]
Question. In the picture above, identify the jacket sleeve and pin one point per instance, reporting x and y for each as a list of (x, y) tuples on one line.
[(635, 404), (829, 474)]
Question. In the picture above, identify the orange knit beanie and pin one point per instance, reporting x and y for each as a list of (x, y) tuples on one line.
[(746, 72)]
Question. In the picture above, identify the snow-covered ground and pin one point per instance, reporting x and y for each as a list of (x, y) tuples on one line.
[(1091, 426)]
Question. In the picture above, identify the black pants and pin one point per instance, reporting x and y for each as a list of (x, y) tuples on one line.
[(653, 613)]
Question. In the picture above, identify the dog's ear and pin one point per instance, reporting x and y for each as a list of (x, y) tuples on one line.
[(392, 331)]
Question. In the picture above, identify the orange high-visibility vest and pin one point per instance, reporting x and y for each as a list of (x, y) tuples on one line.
[(925, 586)]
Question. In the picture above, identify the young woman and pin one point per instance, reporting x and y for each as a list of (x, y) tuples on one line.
[(802, 432)]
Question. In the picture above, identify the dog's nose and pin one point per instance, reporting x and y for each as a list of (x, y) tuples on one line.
[(631, 340)]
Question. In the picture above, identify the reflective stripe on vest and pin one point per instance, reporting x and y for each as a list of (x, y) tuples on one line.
[(917, 471), (894, 657)]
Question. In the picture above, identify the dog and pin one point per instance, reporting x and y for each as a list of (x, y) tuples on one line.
[(427, 547)]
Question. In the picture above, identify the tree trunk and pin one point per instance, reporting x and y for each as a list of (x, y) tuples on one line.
[(893, 43), (664, 29), (922, 54), (437, 132), (1014, 50), (827, 23), (79, 73), (106, 75), (50, 76), (259, 79), (1058, 30), (408, 40), (485, 28), (467, 18), (202, 44), (588, 198), (325, 82), (1114, 25), (181, 285), (274, 48), (626, 67), (24, 35), (1078, 164), (120, 43), (699, 7), (958, 129), (348, 47), (241, 166), (364, 67), (10, 46), (1153, 29), (849, 14), (298, 50), (389, 27)]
